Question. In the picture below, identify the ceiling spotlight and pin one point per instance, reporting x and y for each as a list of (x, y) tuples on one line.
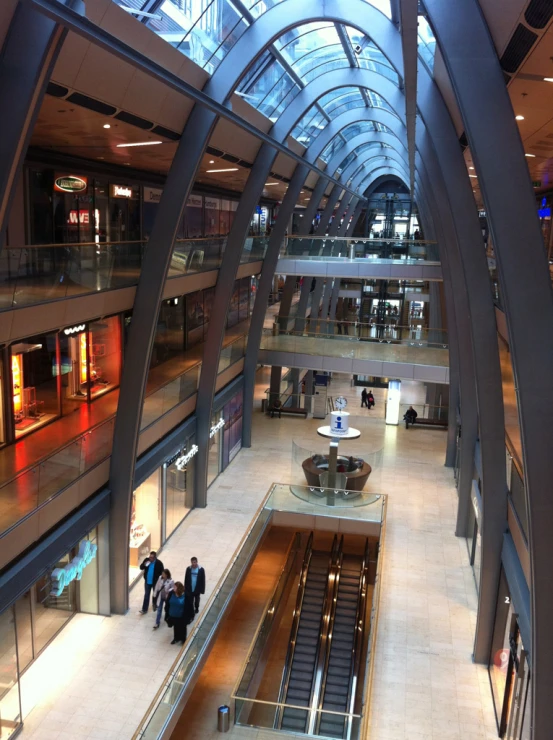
[(228, 169), (473, 175), (267, 184), (548, 79), (107, 125), (519, 118), (211, 161), (471, 168), (529, 155)]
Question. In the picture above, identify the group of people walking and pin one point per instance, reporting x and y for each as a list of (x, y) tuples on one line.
[(180, 601), (367, 399)]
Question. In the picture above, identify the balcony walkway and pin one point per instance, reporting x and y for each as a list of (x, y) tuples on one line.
[(410, 361), (363, 268)]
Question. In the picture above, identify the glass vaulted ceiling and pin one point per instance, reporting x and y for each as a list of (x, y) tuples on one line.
[(205, 30)]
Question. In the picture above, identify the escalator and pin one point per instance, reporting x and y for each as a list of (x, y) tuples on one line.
[(326, 640), (305, 638), (344, 649)]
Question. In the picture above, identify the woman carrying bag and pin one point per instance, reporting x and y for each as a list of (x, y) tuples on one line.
[(179, 612)]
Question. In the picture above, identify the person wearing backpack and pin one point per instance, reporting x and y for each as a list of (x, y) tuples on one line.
[(179, 612)]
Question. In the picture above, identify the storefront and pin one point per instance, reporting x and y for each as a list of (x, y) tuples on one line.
[(510, 663), (160, 504), (225, 437), (74, 583), (74, 206), (53, 374)]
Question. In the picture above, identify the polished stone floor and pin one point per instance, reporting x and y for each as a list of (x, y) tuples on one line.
[(97, 679)]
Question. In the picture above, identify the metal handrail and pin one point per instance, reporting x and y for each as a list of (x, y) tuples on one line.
[(294, 631), (359, 635), (323, 630), (329, 322), (284, 705), (331, 621), (388, 240), (108, 242)]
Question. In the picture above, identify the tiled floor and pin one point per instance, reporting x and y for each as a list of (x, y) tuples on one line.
[(99, 676)]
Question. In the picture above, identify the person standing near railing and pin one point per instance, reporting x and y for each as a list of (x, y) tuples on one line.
[(194, 582)]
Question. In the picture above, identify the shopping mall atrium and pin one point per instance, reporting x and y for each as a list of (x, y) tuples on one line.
[(276, 295)]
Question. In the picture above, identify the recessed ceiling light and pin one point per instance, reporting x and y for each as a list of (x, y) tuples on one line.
[(138, 143), (471, 168), (211, 161), (548, 79), (228, 169), (127, 163), (107, 125), (519, 118), (270, 183), (473, 175), (529, 155)]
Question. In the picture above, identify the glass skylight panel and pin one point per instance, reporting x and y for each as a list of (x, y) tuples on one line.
[(426, 42), (258, 7), (382, 5)]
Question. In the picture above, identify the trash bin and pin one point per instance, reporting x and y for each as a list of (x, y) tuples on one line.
[(223, 718)]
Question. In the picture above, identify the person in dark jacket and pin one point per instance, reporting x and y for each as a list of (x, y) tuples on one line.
[(152, 568), (194, 582), (410, 417), (178, 612), (370, 400), (364, 397)]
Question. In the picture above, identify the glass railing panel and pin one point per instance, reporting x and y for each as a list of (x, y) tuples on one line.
[(41, 273), (390, 333), (254, 249), (232, 353), (170, 395), (355, 248)]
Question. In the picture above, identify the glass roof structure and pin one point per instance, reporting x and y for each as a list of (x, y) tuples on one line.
[(206, 30)]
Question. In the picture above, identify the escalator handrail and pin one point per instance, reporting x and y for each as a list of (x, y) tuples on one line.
[(294, 631), (330, 633), (359, 636), (320, 659)]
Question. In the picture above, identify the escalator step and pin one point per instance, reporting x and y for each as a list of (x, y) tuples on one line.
[(295, 714), (300, 684), (337, 664)]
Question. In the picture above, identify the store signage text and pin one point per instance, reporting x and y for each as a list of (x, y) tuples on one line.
[(215, 428), (70, 184), (182, 462), (152, 195), (80, 217), (121, 191), (74, 329), (73, 571)]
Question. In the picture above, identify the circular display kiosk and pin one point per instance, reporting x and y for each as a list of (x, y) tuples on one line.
[(355, 469)]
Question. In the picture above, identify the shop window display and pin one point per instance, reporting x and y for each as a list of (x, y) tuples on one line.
[(179, 492), (52, 612), (10, 702), (145, 534), (214, 460), (90, 361), (211, 216), (34, 368), (232, 439), (169, 337)]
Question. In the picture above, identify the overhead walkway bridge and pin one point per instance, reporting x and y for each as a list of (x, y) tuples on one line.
[(342, 257), (360, 349)]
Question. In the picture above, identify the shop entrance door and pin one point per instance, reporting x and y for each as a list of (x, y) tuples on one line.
[(520, 709)]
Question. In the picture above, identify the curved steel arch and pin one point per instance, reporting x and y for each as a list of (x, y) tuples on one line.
[(390, 155), (368, 137), (496, 147)]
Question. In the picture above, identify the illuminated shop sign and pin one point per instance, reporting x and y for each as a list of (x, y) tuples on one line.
[(73, 571), (77, 329), (215, 428), (121, 191), (182, 461), (195, 201), (70, 184), (79, 217)]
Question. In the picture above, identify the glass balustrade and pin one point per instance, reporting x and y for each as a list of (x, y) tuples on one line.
[(357, 331), (389, 250), (37, 274), (31, 488)]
